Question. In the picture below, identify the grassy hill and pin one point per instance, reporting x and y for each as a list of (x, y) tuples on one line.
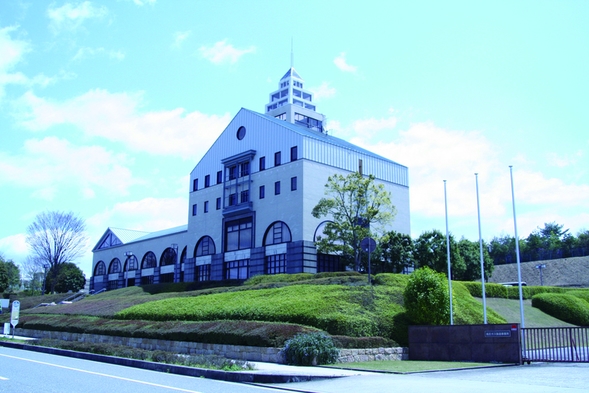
[(264, 311)]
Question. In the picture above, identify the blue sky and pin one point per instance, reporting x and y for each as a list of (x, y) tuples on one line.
[(105, 107)]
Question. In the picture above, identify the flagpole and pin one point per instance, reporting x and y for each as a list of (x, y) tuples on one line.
[(448, 255), (517, 258), (481, 250)]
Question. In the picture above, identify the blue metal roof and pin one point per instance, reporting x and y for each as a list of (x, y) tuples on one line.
[(321, 136), (164, 232)]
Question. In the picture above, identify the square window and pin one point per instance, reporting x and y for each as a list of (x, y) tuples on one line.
[(194, 184), (293, 183), (262, 192), (218, 203), (194, 210), (277, 188), (207, 181), (262, 163), (277, 158), (294, 153), (219, 177), (206, 206)]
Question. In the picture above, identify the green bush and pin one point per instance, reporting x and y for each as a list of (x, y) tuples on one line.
[(426, 298), (310, 349), (363, 342), (468, 310), (508, 292), (565, 307)]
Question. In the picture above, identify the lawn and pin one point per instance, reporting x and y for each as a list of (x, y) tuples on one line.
[(410, 366), (533, 317)]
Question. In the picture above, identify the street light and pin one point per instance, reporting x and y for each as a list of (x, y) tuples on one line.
[(540, 267)]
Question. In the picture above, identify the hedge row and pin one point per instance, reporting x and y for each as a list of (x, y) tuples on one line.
[(508, 292), (260, 334), (568, 308)]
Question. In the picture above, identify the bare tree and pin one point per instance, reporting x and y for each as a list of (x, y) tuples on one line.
[(56, 238)]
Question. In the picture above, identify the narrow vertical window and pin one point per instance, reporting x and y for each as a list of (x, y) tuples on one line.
[(218, 203), (206, 206), (207, 181), (219, 177), (277, 158), (277, 188), (195, 185), (262, 192), (293, 183), (194, 210), (262, 163), (294, 153)]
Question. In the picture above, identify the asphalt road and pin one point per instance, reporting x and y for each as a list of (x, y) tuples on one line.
[(534, 378), (33, 372)]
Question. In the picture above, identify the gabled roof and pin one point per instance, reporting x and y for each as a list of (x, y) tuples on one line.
[(113, 237)]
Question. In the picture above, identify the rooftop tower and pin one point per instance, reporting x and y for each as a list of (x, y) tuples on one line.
[(292, 103)]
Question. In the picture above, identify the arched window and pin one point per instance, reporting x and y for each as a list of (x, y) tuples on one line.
[(168, 257), (131, 263), (149, 260), (100, 269), (205, 246), (319, 231), (115, 266), (183, 256), (277, 233)]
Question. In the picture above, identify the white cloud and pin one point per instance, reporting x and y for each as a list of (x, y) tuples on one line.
[(179, 38), (433, 155), (323, 91), (50, 165), (70, 16), (148, 214), (369, 127), (116, 117), (341, 63), (86, 52), (13, 52), (221, 52), (143, 2)]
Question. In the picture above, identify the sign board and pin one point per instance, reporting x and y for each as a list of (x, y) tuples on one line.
[(6, 328), (497, 333), (15, 313), (4, 303), (368, 244)]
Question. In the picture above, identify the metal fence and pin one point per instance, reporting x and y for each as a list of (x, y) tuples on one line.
[(565, 344)]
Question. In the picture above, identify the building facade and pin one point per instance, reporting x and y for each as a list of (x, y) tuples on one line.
[(250, 201)]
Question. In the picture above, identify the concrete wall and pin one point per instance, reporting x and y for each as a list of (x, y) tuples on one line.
[(238, 352), (565, 272)]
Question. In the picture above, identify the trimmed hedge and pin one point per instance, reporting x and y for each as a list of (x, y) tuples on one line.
[(258, 334), (508, 292), (565, 307)]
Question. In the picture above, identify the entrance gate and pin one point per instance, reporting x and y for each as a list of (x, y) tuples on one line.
[(565, 344)]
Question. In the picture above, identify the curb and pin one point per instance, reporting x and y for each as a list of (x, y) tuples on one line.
[(230, 376)]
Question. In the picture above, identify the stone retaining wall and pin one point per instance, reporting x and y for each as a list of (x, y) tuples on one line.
[(238, 352), (565, 272)]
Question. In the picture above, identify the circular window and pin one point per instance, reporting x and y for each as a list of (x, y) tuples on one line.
[(241, 132)]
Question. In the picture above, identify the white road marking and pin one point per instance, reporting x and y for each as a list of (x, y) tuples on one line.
[(101, 374)]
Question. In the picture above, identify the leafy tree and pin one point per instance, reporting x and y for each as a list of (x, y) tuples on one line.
[(56, 238), (471, 253), (426, 298), (502, 249), (396, 252), (9, 276), (358, 208), (69, 278), (431, 250), (583, 239)]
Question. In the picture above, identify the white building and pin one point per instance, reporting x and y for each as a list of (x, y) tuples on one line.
[(250, 201)]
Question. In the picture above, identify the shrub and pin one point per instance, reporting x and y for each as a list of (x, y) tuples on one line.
[(565, 307), (310, 349), (426, 298), (363, 342)]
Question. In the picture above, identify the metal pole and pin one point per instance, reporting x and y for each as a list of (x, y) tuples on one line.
[(481, 251), (448, 255), (517, 258)]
